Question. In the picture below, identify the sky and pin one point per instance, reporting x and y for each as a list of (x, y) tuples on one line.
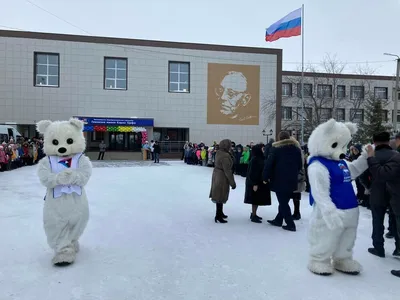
[(356, 32)]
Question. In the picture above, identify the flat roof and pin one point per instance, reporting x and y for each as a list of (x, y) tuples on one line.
[(340, 76), (136, 42)]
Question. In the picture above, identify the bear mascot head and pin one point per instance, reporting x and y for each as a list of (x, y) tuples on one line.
[(62, 138), (65, 172), (331, 139), (334, 219)]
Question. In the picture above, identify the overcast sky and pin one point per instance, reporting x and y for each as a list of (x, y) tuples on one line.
[(356, 31)]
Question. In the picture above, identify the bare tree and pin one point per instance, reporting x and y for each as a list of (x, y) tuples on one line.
[(326, 95)]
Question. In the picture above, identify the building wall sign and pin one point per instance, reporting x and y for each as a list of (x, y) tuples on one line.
[(93, 121)]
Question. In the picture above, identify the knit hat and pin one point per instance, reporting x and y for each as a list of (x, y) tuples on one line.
[(382, 137)]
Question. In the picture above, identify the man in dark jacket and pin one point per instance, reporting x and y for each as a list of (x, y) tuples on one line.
[(384, 166), (281, 170)]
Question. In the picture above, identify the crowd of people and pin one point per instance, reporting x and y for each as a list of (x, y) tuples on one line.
[(19, 153), (281, 167)]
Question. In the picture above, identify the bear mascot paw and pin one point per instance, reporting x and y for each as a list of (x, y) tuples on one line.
[(64, 172), (334, 220)]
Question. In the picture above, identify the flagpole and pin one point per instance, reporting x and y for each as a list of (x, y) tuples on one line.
[(302, 75)]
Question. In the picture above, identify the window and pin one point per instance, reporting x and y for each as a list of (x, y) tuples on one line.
[(179, 77), (324, 91), (381, 92), (340, 114), (357, 115), (115, 73), (385, 115), (286, 113), (356, 92), (307, 113), (398, 116), (341, 91), (325, 114), (47, 69), (287, 89), (307, 90), (98, 136)]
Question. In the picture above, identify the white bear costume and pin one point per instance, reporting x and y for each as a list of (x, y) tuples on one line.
[(334, 220), (64, 172)]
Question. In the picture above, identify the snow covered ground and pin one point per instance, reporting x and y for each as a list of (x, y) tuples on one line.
[(151, 235)]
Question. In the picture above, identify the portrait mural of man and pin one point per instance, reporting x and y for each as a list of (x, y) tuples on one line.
[(233, 94)]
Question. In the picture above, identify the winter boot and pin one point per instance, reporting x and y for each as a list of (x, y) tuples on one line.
[(377, 252)]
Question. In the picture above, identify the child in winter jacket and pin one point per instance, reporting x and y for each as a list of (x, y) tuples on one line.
[(203, 156), (244, 161)]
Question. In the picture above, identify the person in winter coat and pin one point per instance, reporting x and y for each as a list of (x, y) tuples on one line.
[(257, 193), (102, 150), (268, 147), (222, 179), (281, 170), (3, 159), (355, 152), (385, 170), (301, 186), (157, 152), (385, 191), (238, 154)]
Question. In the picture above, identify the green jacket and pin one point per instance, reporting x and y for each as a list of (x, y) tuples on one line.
[(245, 157)]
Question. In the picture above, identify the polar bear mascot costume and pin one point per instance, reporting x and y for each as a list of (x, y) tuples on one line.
[(334, 220), (64, 172)]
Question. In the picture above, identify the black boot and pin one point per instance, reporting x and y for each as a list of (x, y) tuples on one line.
[(219, 215), (389, 235), (296, 214), (395, 273), (274, 223), (255, 218), (377, 252)]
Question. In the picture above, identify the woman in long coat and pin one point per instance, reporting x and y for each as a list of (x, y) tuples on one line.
[(257, 193), (301, 186), (222, 179)]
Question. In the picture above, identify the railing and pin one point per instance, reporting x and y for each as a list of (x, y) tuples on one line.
[(171, 146)]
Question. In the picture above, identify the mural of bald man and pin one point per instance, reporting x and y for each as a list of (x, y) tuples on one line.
[(230, 95)]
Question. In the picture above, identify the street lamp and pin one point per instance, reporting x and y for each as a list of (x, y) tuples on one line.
[(267, 134), (396, 96)]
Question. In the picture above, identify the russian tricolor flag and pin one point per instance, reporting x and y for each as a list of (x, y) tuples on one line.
[(288, 26)]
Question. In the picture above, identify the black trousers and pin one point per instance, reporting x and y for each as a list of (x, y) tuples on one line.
[(284, 212), (101, 156), (378, 227)]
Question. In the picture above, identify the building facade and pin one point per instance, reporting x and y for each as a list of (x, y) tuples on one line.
[(128, 91), (339, 96)]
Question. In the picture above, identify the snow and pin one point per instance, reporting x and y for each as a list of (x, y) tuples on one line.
[(151, 235)]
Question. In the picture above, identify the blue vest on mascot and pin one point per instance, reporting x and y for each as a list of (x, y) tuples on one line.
[(341, 191)]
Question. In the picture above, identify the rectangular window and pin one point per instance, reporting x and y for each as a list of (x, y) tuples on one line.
[(398, 116), (98, 136), (287, 89), (115, 73), (357, 115), (325, 114), (341, 91), (324, 91), (307, 113), (340, 114), (179, 77), (381, 93), (307, 90), (385, 115), (356, 92), (47, 69), (287, 113)]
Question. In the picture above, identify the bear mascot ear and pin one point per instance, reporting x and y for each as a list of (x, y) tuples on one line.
[(352, 127), (77, 123), (41, 126), (329, 125)]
